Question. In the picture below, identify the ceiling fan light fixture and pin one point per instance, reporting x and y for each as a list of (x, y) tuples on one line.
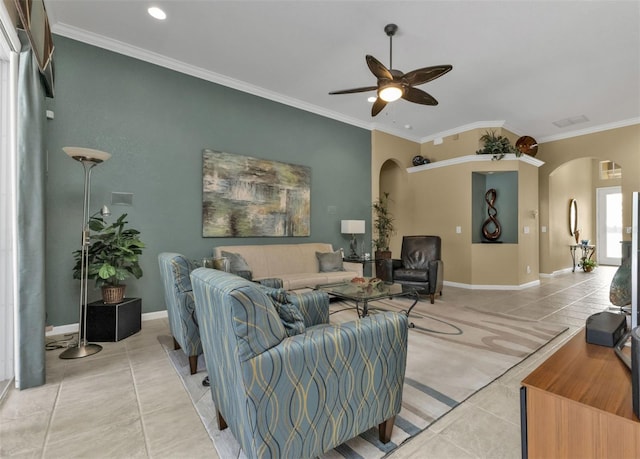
[(390, 92)]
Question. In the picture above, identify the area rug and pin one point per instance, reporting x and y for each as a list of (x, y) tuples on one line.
[(453, 352)]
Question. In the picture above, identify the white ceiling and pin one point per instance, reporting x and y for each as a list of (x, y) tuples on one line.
[(521, 64)]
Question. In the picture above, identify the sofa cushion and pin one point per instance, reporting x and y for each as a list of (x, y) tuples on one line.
[(330, 261), (237, 264)]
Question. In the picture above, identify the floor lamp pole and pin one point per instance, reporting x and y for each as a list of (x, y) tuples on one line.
[(89, 159)]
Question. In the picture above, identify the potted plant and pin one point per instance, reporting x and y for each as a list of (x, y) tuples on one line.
[(383, 226), (588, 264), (112, 257), (497, 146)]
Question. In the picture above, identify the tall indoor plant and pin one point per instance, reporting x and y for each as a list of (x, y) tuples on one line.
[(113, 256), (383, 226)]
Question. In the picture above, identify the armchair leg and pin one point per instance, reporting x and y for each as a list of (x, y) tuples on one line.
[(432, 297), (176, 346), (222, 424), (385, 428), (193, 364)]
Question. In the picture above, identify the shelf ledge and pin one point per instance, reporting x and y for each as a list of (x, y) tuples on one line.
[(474, 158)]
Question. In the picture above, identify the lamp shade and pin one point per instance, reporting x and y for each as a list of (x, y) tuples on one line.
[(352, 227), (87, 154)]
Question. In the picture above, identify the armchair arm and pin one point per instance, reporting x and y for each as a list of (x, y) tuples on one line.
[(436, 276), (388, 265), (272, 282), (316, 390), (313, 305)]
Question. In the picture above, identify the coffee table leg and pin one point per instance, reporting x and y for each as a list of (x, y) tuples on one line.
[(415, 301)]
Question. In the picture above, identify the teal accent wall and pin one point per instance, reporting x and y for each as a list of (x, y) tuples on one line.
[(155, 122)]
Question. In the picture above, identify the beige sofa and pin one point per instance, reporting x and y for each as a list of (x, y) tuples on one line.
[(296, 264)]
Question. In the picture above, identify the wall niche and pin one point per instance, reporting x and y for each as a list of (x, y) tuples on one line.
[(506, 204)]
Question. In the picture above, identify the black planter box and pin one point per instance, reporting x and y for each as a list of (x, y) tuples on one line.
[(113, 322)]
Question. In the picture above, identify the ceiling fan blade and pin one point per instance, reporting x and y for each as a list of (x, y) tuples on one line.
[(423, 75), (351, 91), (378, 105), (418, 96), (378, 69)]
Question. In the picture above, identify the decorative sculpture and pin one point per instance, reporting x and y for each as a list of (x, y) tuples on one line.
[(490, 197)]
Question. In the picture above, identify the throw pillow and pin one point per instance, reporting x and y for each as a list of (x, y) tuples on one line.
[(330, 261), (290, 315), (237, 264)]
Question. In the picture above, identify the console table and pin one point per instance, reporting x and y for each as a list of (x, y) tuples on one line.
[(578, 404), (587, 252)]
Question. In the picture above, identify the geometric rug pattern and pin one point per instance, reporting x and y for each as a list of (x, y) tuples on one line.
[(453, 351)]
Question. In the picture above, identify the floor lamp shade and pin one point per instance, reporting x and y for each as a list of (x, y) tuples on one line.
[(352, 227), (89, 159)]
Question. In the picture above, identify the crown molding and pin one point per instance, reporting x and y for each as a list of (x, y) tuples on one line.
[(591, 130), (198, 72), (464, 128)]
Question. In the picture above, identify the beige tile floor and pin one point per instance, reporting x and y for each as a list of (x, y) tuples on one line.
[(128, 402)]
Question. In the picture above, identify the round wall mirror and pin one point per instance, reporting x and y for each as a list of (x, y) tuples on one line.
[(573, 217)]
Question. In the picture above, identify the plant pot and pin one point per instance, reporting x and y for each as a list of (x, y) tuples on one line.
[(381, 272), (112, 294)]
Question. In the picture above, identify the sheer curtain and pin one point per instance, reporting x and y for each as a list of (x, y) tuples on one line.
[(7, 168), (9, 45), (31, 167)]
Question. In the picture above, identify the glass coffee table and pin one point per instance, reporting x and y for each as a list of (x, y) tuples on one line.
[(362, 295)]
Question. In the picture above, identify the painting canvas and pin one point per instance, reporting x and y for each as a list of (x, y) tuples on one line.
[(250, 197)]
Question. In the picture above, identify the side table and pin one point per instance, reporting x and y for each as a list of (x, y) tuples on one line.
[(113, 322), (587, 252)]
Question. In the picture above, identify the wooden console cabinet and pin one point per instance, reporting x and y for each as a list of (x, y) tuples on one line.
[(577, 404)]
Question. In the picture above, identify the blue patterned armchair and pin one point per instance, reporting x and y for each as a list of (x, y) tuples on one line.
[(296, 392), (178, 297)]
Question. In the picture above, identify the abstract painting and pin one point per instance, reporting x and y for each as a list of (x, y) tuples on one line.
[(250, 197)]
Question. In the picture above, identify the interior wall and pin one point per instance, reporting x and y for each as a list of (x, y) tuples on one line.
[(572, 180), (156, 122), (621, 145), (390, 157)]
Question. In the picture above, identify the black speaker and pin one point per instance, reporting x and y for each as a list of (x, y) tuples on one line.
[(635, 369), (113, 322)]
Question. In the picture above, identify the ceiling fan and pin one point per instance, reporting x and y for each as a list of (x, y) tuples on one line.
[(393, 84)]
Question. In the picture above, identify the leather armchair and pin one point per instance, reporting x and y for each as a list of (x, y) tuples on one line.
[(303, 394), (178, 297), (420, 265)]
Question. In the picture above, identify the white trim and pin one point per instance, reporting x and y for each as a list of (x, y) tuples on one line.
[(591, 130), (198, 72), (465, 128), (492, 287), (8, 30), (474, 158), (120, 47), (73, 328)]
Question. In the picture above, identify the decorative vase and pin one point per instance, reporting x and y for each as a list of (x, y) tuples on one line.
[(112, 294), (620, 290)]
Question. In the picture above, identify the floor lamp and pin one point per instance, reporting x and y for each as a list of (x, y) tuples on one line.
[(89, 159)]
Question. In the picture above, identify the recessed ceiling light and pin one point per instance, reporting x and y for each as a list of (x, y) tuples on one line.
[(372, 99), (157, 13)]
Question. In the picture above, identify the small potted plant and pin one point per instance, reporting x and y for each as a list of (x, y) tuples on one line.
[(497, 146), (112, 257), (588, 265)]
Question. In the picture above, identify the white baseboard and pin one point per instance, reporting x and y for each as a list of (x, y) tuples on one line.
[(492, 287), (73, 328)]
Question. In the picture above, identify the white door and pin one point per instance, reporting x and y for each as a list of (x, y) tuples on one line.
[(609, 225)]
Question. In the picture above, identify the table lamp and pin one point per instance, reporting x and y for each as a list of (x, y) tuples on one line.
[(352, 227)]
